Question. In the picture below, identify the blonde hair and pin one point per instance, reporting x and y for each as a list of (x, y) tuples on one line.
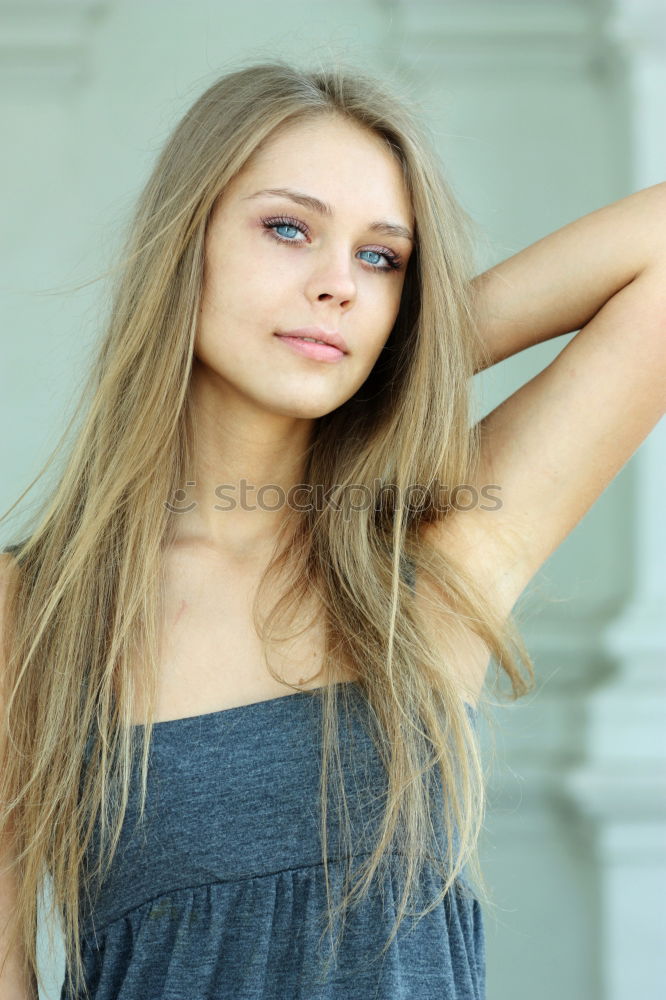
[(86, 584)]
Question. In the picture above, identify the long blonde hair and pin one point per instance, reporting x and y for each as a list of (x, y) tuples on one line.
[(87, 581)]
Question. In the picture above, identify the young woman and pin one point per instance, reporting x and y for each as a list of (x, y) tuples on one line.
[(245, 640)]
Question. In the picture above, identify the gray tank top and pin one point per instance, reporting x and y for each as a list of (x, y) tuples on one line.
[(221, 894)]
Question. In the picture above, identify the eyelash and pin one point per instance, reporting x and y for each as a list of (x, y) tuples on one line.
[(394, 261)]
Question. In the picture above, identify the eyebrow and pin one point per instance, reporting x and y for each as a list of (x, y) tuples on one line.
[(322, 208)]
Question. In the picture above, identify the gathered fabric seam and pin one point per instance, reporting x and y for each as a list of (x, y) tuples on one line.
[(228, 881)]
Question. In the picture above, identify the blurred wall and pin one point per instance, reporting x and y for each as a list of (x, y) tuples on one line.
[(536, 110)]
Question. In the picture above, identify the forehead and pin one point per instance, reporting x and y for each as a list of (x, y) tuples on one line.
[(338, 161)]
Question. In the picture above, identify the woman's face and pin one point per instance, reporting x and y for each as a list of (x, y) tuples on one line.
[(274, 264)]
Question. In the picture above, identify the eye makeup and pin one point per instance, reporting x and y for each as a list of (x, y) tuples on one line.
[(393, 260)]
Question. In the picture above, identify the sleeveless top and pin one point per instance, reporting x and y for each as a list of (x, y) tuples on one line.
[(220, 893)]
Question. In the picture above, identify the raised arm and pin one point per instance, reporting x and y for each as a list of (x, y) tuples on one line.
[(555, 444), (556, 285)]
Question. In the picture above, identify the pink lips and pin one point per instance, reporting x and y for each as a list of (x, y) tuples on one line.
[(318, 352), (334, 349), (331, 337)]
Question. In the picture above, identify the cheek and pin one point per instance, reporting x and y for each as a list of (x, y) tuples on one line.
[(387, 295), (234, 292), (389, 312), (236, 269), (374, 345)]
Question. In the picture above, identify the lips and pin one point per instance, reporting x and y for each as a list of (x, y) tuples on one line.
[(312, 350), (331, 337)]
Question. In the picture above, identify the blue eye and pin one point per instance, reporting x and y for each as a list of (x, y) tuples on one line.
[(285, 226), (393, 262)]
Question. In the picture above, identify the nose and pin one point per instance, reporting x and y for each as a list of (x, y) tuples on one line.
[(332, 280)]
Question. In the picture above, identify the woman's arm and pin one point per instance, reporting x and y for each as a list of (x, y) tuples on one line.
[(557, 442), (559, 283)]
